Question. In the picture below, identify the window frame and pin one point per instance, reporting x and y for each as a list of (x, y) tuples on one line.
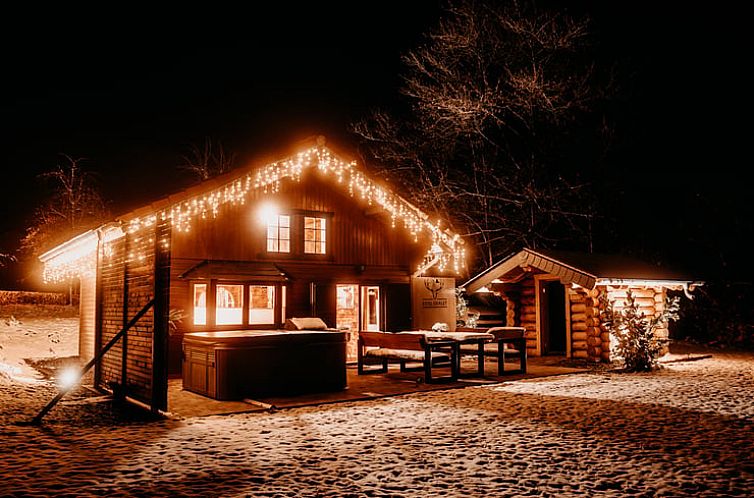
[(267, 239), (318, 243), (298, 234), (211, 312)]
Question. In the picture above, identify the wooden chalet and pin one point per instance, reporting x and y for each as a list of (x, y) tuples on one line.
[(555, 295), (307, 235)]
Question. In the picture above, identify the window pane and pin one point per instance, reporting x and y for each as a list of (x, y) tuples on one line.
[(262, 304), (229, 305), (315, 235), (279, 234), (200, 304)]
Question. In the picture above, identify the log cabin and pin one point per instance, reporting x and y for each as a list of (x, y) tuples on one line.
[(307, 235), (555, 295)]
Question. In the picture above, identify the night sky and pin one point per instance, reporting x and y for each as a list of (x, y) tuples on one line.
[(131, 89)]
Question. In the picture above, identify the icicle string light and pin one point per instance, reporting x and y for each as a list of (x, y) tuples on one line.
[(446, 249)]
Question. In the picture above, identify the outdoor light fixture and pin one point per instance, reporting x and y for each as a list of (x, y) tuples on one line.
[(68, 378), (268, 213)]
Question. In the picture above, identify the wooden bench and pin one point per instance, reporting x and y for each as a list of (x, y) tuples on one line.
[(404, 348), (514, 336)]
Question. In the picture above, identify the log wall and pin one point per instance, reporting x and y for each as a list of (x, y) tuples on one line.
[(651, 302), (527, 314), (581, 320)]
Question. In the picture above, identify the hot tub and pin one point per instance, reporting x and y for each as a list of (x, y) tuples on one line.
[(255, 363)]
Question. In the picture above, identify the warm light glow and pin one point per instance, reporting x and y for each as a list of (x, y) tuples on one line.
[(68, 377), (229, 304), (446, 247), (483, 289), (279, 233), (200, 304), (315, 235), (261, 304), (73, 259), (267, 213), (200, 315)]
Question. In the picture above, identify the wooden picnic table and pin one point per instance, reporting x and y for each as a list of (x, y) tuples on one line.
[(477, 338)]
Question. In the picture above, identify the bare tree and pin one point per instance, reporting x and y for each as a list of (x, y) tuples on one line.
[(75, 205), (494, 100), (6, 257), (209, 160)]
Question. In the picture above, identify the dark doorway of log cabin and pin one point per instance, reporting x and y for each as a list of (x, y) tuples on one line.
[(552, 316)]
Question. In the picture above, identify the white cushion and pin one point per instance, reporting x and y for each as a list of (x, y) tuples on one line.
[(403, 354), (308, 323)]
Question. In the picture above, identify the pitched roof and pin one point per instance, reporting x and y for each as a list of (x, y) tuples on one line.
[(206, 198), (584, 269)]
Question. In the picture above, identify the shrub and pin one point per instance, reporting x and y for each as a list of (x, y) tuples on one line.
[(637, 342)]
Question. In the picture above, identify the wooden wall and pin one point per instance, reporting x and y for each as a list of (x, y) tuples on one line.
[(589, 339), (359, 234), (583, 331), (87, 313), (363, 248), (527, 313), (127, 285)]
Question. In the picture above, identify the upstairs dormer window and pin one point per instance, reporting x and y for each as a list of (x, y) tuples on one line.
[(315, 235), (279, 233)]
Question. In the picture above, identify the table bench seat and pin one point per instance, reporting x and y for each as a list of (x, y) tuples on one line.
[(386, 347), (405, 354)]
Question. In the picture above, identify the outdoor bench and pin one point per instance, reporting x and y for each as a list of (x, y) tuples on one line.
[(386, 347)]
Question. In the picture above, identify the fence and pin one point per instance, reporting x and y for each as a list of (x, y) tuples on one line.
[(27, 297)]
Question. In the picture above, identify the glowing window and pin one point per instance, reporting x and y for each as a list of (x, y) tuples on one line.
[(229, 304), (261, 304), (315, 235), (200, 304), (279, 233)]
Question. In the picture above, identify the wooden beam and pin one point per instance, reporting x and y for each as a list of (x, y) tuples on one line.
[(161, 316)]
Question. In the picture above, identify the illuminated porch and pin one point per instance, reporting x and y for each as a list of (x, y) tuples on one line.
[(183, 403)]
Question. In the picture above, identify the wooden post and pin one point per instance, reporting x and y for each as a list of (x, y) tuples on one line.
[(161, 325), (98, 308), (49, 406), (124, 343)]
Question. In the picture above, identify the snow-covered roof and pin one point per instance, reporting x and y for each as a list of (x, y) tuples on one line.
[(583, 269)]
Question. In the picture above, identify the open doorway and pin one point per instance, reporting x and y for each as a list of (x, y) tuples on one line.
[(370, 308), (552, 317), (347, 316)]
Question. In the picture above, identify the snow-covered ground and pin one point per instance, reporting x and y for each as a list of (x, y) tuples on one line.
[(29, 337), (685, 431)]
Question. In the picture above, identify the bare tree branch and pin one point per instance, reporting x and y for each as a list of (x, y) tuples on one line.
[(492, 96), (208, 160), (75, 205)]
